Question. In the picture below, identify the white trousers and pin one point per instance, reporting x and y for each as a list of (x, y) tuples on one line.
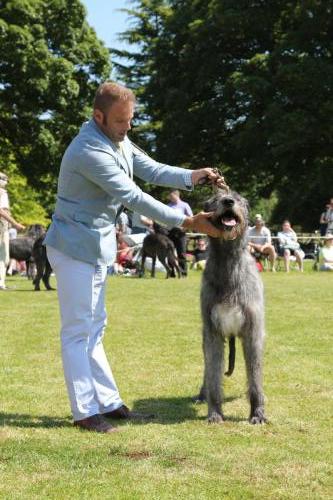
[(4, 252), (81, 293)]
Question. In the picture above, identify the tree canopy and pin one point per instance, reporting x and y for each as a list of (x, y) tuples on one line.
[(51, 63), (243, 85)]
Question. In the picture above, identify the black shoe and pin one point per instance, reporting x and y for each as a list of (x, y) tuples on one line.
[(95, 423)]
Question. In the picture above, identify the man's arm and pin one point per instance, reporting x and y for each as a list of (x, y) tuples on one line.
[(103, 170), (4, 214), (160, 174)]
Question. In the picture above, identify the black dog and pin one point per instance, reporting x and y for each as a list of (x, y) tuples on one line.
[(21, 248), (158, 245), (43, 266)]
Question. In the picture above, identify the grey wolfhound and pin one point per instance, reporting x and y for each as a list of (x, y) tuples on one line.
[(231, 306)]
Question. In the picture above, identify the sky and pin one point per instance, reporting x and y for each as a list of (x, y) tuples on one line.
[(104, 17)]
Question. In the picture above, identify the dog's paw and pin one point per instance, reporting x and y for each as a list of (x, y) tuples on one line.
[(258, 417), (215, 418)]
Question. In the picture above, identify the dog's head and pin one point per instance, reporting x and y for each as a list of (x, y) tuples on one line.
[(230, 213)]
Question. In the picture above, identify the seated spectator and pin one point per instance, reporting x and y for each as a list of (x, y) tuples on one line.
[(326, 254), (124, 262), (123, 223), (200, 254), (260, 241), (289, 246)]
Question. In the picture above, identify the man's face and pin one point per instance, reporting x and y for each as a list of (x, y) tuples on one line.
[(173, 197), (116, 122), (286, 226), (201, 245)]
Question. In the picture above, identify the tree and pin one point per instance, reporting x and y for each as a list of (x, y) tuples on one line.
[(242, 85), (51, 64)]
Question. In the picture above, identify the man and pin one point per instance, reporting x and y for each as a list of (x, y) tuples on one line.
[(95, 182), (177, 235), (5, 218), (260, 241)]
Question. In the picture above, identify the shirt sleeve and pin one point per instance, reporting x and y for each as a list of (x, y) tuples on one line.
[(102, 169), (188, 210)]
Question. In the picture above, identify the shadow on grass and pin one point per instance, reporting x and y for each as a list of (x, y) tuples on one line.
[(32, 421), (172, 410)]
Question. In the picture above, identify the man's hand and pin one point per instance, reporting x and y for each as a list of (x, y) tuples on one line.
[(208, 176), (201, 224), (19, 226)]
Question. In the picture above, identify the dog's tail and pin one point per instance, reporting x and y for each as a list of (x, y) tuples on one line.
[(232, 355)]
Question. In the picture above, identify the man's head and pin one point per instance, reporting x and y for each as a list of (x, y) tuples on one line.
[(286, 226), (201, 244), (259, 221), (174, 196), (114, 110)]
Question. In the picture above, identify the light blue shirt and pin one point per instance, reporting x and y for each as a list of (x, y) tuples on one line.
[(94, 182)]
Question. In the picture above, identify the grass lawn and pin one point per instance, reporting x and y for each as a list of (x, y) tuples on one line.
[(153, 340)]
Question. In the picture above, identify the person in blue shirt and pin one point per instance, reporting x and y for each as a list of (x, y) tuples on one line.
[(96, 181)]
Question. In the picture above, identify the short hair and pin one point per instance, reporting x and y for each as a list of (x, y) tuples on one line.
[(175, 191), (110, 92)]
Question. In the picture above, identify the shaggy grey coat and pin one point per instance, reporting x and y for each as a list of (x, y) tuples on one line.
[(231, 305)]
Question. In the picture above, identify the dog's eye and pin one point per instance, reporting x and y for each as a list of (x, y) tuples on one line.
[(210, 205)]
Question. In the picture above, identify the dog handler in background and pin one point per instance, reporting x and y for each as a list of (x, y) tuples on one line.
[(95, 182), (5, 218)]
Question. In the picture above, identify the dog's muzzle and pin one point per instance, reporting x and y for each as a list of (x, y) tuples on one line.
[(227, 220)]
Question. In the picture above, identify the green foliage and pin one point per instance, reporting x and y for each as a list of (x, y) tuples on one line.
[(51, 64), (265, 207), (243, 84), (24, 200), (154, 344)]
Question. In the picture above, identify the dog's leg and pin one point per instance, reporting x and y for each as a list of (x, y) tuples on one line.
[(253, 351), (47, 274), (179, 273), (39, 275), (143, 260), (153, 264), (213, 351), (163, 260)]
